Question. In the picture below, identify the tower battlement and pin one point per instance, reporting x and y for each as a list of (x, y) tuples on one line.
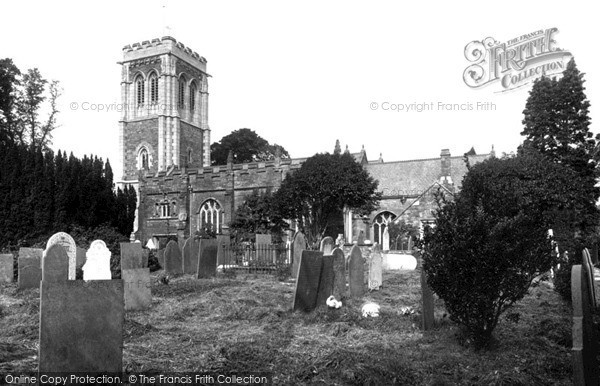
[(160, 46)]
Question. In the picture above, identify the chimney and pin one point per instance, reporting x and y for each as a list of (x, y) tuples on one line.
[(445, 175)]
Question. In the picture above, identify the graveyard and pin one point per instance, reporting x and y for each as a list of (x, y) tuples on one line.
[(244, 322)]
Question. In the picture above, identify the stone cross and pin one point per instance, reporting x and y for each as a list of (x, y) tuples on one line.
[(97, 262)]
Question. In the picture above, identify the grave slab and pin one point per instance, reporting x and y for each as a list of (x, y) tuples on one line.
[(173, 259), (30, 267), (68, 244), (207, 261), (81, 326), (137, 288), (307, 283)]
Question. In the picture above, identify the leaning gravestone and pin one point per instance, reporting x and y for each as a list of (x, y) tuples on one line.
[(160, 255), (207, 261), (375, 268), (55, 264), (327, 245), (585, 340), (173, 258), (307, 283), (68, 244), (137, 294), (81, 326), (339, 274), (356, 275), (97, 262), (191, 249), (30, 267), (325, 281), (298, 246), (6, 268), (131, 256)]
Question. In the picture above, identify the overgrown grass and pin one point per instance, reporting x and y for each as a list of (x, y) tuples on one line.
[(245, 324)]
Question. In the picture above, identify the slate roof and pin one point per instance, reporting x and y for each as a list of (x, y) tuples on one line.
[(412, 177)]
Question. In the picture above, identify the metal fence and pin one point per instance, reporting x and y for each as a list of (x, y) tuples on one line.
[(251, 258)]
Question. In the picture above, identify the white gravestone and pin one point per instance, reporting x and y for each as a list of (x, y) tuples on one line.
[(67, 242), (97, 263)]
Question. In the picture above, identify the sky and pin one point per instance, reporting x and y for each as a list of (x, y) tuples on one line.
[(302, 73)]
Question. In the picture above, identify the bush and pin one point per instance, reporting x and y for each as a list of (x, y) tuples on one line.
[(491, 242)]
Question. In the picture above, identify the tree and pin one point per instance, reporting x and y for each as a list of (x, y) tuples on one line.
[(9, 82), (321, 188), (256, 215), (494, 236), (246, 146), (556, 123)]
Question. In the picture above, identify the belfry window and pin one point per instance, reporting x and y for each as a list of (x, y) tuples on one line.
[(143, 159), (181, 99), (139, 90), (192, 96), (153, 88), (210, 216)]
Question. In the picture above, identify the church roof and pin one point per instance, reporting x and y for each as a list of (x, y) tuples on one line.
[(412, 177)]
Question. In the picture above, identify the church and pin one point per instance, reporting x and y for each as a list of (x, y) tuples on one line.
[(164, 143)]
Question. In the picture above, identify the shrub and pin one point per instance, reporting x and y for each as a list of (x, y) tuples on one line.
[(491, 242)]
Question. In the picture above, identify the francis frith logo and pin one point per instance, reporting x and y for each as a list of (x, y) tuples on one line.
[(516, 62)]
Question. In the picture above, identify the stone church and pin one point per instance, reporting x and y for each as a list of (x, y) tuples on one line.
[(164, 142)]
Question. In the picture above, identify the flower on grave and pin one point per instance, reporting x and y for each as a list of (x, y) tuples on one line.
[(370, 309), (333, 303)]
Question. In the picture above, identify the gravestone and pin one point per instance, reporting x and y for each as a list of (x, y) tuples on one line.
[(585, 340), (68, 244), (589, 268), (207, 261), (6, 268), (339, 274), (356, 275), (136, 283), (97, 262), (263, 239), (265, 254), (298, 246), (594, 254), (81, 326), (327, 245), (427, 303), (375, 269), (173, 260), (132, 256), (55, 264), (386, 240), (222, 240), (191, 249), (145, 257), (326, 280), (160, 255), (361, 238), (79, 257), (30, 267), (307, 283)]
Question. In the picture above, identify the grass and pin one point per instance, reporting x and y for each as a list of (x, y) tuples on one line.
[(245, 324)]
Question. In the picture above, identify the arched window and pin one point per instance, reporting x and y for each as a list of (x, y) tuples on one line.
[(181, 99), (139, 90), (381, 222), (143, 159), (193, 96), (153, 88), (210, 216)]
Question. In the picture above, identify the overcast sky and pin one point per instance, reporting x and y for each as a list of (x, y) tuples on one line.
[(301, 74)]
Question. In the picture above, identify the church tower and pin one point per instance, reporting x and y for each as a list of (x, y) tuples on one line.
[(164, 122)]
